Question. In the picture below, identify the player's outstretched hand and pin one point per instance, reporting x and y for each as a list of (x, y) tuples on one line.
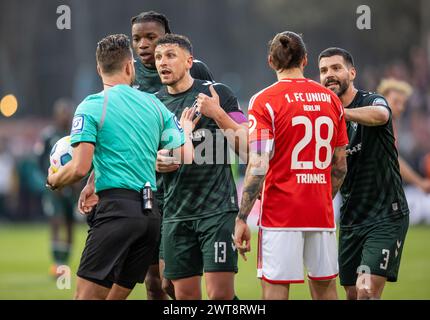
[(209, 106), (165, 162), (242, 238), (189, 119), (87, 199)]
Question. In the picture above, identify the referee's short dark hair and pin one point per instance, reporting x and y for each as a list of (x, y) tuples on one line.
[(334, 51), (112, 51), (180, 40), (152, 16)]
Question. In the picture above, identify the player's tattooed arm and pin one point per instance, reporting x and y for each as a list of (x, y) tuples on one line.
[(255, 174), (338, 169)]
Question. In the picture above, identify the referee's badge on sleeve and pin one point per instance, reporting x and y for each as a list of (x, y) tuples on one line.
[(77, 124)]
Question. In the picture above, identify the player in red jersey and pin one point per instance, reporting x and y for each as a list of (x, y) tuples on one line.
[(297, 146)]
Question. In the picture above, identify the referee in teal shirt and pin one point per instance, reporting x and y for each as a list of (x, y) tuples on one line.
[(119, 131)]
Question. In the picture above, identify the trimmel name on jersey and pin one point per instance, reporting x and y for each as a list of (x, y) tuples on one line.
[(311, 178)]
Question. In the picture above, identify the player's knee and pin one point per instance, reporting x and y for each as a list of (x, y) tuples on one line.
[(366, 293), (219, 294), (77, 295), (168, 288), (186, 295), (153, 286), (362, 294), (351, 293)]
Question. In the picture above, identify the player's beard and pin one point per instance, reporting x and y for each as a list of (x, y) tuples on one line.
[(174, 80), (343, 86)]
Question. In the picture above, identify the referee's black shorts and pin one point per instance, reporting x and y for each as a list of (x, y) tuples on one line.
[(121, 240)]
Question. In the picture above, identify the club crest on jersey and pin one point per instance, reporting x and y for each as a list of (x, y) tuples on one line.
[(77, 124), (196, 112), (354, 125), (178, 125)]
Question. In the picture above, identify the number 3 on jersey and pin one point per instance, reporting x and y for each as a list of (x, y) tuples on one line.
[(320, 143)]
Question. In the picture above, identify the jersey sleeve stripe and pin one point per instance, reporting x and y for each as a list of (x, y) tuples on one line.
[(272, 116)]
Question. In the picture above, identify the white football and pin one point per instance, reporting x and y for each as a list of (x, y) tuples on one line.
[(61, 153)]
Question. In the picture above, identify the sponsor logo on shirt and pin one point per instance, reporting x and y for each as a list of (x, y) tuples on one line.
[(178, 125), (198, 135), (77, 124), (354, 149)]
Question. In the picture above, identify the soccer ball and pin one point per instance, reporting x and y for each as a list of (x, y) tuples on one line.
[(61, 153)]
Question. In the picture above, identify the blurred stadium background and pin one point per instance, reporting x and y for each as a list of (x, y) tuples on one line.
[(40, 64)]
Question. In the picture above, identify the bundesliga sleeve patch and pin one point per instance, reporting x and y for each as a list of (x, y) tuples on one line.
[(77, 124), (178, 125), (379, 102)]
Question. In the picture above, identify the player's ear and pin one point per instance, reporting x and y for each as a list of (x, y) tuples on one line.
[(129, 67), (269, 61), (305, 61), (98, 70), (190, 62), (352, 73)]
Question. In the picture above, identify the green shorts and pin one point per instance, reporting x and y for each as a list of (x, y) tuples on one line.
[(374, 249), (196, 246)]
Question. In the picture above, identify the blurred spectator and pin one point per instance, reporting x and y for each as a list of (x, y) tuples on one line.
[(397, 93), (6, 175)]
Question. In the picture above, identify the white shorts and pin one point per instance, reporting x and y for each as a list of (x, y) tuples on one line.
[(283, 254)]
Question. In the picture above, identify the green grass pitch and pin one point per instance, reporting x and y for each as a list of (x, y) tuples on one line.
[(25, 259)]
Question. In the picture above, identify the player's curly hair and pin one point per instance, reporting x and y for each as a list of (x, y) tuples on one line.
[(287, 50), (391, 84), (152, 16), (181, 41), (112, 51)]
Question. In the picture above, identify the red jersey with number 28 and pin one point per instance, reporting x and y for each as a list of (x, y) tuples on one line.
[(301, 122)]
